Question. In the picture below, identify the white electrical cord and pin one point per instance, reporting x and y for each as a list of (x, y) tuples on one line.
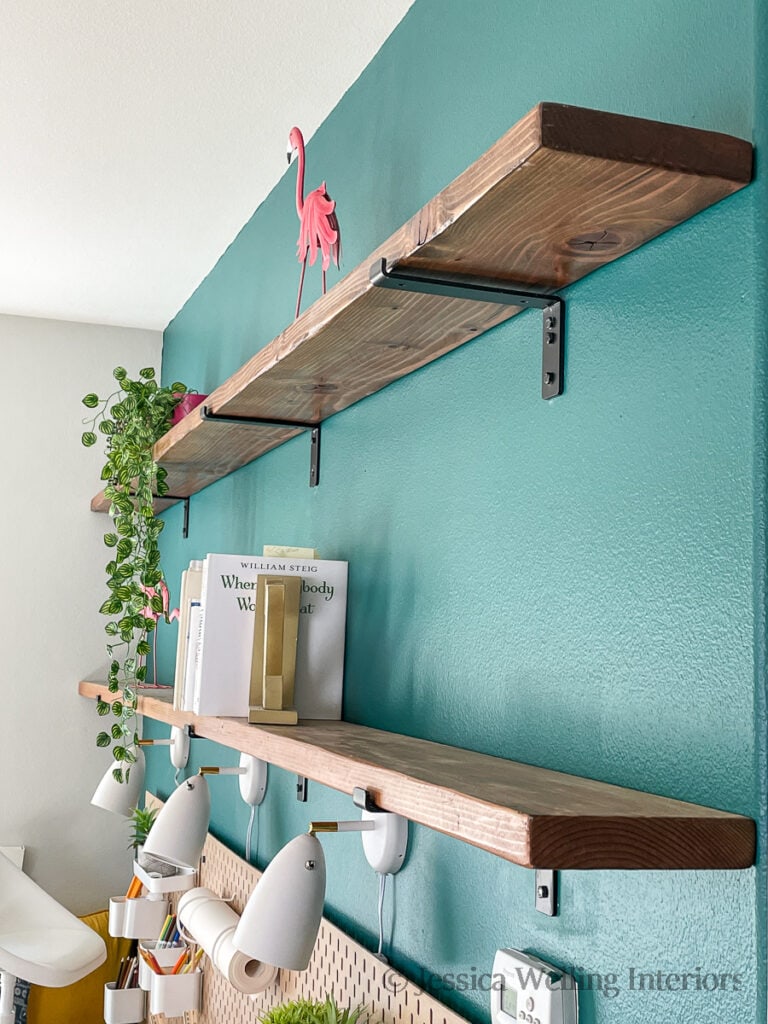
[(176, 778), (250, 832), (382, 886)]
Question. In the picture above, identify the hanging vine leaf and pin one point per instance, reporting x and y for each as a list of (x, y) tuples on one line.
[(130, 420), (124, 549)]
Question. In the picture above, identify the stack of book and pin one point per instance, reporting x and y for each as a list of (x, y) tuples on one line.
[(216, 633)]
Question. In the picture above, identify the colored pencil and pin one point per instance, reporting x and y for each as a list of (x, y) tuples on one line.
[(180, 962), (120, 970), (193, 963), (134, 888), (164, 929), (130, 966), (151, 960)]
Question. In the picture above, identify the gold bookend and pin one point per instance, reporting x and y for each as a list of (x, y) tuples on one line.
[(273, 667)]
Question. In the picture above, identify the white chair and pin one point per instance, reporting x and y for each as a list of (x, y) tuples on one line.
[(40, 941)]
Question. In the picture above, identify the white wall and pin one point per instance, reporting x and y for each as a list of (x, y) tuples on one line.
[(52, 559)]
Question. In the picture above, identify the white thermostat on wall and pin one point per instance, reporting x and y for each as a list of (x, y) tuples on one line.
[(528, 989)]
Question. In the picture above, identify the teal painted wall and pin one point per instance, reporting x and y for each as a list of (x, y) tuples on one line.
[(612, 541)]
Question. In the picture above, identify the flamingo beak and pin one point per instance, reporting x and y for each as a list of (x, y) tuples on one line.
[(290, 153)]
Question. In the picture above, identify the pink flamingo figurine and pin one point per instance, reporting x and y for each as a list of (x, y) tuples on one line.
[(149, 613), (319, 224)]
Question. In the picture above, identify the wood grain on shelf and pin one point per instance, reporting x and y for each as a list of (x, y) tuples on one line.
[(528, 815), (563, 192)]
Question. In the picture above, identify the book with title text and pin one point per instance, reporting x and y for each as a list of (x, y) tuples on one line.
[(228, 598)]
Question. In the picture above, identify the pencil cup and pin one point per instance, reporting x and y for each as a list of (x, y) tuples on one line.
[(123, 1005), (166, 956), (144, 917), (116, 916), (175, 994)]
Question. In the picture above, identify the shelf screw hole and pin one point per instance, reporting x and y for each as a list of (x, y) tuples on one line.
[(549, 378)]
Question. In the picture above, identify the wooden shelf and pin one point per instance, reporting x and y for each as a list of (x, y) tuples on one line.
[(564, 192), (530, 816)]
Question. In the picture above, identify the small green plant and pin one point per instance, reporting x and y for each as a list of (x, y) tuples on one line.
[(298, 1011), (304, 1011), (141, 821), (329, 1013), (131, 419)]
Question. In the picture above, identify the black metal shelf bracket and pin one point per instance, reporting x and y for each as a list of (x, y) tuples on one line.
[(174, 497), (546, 892), (478, 289), (314, 451), (185, 499), (263, 421)]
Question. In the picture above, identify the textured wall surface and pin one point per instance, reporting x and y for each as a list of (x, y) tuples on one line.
[(52, 570), (577, 584)]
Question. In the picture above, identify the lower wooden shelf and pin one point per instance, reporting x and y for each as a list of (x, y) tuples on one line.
[(527, 815)]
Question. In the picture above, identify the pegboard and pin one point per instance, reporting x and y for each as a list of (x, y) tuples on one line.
[(338, 965)]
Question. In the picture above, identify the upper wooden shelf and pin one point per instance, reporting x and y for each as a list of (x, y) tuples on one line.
[(564, 192), (530, 816)]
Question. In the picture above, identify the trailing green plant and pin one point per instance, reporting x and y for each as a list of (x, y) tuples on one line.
[(131, 420), (141, 821), (304, 1011)]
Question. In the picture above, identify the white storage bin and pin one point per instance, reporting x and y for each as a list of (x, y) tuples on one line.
[(181, 879), (144, 917), (166, 957), (175, 994), (123, 1005), (116, 916)]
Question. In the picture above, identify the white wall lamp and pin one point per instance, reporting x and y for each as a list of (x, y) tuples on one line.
[(121, 797), (178, 834), (178, 741), (281, 920)]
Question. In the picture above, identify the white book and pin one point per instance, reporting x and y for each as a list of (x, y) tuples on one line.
[(181, 645), (191, 584), (229, 599), (194, 646)]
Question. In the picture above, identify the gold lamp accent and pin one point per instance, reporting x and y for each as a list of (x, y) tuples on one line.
[(275, 634)]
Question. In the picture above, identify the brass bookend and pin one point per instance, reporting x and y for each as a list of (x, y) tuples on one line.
[(273, 667)]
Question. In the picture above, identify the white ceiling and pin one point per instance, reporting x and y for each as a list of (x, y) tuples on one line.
[(138, 136)]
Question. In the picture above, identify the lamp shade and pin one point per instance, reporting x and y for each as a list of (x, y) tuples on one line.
[(121, 797), (281, 919), (178, 834)]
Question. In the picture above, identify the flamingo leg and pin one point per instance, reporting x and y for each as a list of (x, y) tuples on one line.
[(301, 286), (323, 282)]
